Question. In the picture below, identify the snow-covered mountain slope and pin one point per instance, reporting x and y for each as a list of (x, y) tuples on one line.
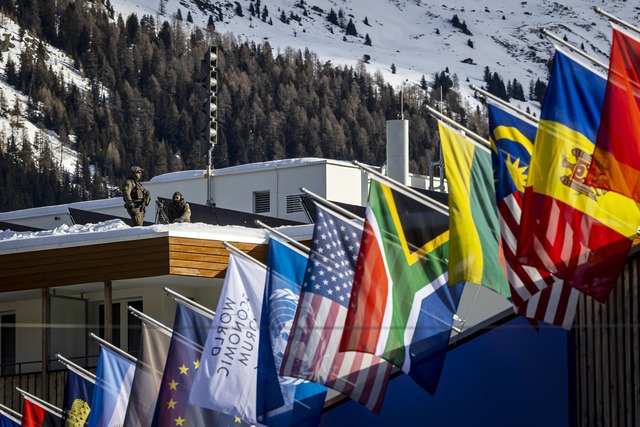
[(16, 124), (409, 39), (416, 37)]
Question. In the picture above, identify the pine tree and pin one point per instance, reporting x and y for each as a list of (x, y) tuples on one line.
[(351, 28), (332, 17)]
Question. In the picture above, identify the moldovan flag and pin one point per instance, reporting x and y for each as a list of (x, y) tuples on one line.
[(475, 253), (401, 308), (226, 380), (535, 293), (616, 159), (36, 415), (569, 228)]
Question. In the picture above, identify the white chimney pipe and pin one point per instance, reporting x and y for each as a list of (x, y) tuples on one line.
[(398, 150)]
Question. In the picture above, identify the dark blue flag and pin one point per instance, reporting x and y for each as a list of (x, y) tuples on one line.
[(8, 421), (78, 391)]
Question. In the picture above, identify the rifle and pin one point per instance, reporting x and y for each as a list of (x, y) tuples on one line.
[(161, 213)]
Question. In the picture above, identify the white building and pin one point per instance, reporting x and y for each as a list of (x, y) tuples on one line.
[(65, 275)]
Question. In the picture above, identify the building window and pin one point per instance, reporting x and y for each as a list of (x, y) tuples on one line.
[(294, 203), (115, 327), (125, 331), (8, 343), (134, 328), (261, 202)]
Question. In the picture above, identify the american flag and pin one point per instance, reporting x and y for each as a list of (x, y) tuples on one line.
[(536, 294), (312, 351)]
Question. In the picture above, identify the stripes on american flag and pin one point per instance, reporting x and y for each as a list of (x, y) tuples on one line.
[(312, 351), (536, 294)]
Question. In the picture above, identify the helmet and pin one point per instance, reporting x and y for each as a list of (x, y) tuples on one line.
[(135, 169)]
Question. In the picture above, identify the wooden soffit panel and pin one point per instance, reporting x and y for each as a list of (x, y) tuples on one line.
[(121, 260)]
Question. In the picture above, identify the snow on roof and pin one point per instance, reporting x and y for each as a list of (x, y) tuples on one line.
[(116, 230), (271, 164)]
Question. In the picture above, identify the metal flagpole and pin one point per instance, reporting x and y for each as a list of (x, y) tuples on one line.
[(176, 296), (491, 97), (573, 48), (474, 137), (77, 368), (408, 191), (48, 406), (289, 240), (140, 315), (113, 347), (237, 251), (342, 211), (10, 412), (616, 19)]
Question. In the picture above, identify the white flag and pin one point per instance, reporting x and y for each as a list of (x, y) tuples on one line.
[(226, 379)]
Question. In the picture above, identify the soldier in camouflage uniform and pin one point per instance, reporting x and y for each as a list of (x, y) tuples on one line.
[(136, 197), (179, 210)]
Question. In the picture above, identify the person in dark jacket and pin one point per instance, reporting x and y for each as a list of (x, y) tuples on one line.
[(136, 197), (179, 210)]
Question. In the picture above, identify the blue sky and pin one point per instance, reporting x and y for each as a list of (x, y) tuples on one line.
[(510, 376)]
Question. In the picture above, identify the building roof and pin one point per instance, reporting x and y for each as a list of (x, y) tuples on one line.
[(109, 251)]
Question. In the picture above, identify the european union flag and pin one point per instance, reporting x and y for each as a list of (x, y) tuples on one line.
[(190, 329)]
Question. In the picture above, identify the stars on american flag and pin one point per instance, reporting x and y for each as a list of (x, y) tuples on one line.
[(334, 253)]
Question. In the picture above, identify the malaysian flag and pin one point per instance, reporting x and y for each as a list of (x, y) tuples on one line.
[(312, 351), (536, 294)]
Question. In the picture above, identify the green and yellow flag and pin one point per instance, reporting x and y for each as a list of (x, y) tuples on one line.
[(475, 251)]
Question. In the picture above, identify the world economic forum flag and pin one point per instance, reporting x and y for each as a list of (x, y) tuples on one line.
[(226, 379), (303, 400), (114, 376)]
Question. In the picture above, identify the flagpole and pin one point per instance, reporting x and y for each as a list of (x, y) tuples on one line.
[(77, 368), (616, 19), (140, 315), (46, 405), (113, 347), (289, 240), (408, 191), (573, 48), (477, 139), (342, 211), (10, 412), (237, 251), (491, 97), (187, 301)]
